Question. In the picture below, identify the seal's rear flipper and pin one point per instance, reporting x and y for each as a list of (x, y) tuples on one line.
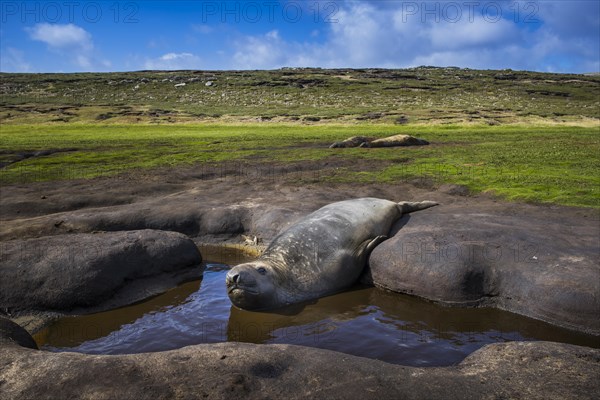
[(408, 206)]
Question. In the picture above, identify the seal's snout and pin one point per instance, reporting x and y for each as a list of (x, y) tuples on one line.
[(239, 278), (233, 278)]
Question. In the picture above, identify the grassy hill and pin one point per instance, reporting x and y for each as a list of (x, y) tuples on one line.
[(423, 95), (524, 136)]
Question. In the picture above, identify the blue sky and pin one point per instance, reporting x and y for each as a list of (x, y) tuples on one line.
[(71, 36)]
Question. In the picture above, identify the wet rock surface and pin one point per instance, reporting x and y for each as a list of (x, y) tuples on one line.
[(519, 370), (534, 260), (538, 268), (220, 210), (64, 272)]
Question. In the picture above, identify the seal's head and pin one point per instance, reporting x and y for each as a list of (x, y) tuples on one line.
[(251, 286)]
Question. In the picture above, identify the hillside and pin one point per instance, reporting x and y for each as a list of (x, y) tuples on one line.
[(419, 95)]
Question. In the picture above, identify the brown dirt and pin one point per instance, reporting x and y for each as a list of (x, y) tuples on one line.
[(304, 185)]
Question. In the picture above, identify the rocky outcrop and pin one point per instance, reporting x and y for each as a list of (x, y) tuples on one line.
[(182, 213), (534, 260), (64, 272), (540, 269), (516, 370)]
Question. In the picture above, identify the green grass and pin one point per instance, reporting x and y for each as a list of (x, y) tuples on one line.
[(552, 164), (525, 136)]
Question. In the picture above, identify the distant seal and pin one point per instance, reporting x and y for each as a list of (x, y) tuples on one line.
[(321, 254), (396, 140), (354, 141), (390, 141)]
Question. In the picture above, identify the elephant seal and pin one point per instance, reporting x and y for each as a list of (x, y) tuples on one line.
[(396, 140), (323, 253), (391, 141), (354, 141)]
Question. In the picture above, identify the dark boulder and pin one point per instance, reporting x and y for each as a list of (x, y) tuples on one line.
[(12, 333), (63, 272), (535, 268)]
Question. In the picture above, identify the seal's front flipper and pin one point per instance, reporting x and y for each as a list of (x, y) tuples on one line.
[(368, 245), (374, 243)]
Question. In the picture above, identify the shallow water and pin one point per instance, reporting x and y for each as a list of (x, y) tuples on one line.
[(363, 321)]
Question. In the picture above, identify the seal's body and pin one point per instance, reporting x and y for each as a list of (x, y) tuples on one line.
[(354, 141), (394, 141), (323, 253)]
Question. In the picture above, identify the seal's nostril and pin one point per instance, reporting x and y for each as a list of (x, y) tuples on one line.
[(235, 278)]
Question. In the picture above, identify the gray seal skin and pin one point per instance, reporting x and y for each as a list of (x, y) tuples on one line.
[(396, 140), (323, 253), (354, 141)]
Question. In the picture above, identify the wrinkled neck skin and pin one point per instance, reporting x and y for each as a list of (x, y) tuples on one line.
[(285, 294)]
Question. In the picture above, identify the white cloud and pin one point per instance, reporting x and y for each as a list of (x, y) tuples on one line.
[(264, 51), (270, 51), (59, 36), (479, 32), (174, 61), (379, 34), (13, 60), (363, 35), (70, 43)]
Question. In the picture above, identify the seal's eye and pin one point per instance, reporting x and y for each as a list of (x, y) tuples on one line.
[(261, 270)]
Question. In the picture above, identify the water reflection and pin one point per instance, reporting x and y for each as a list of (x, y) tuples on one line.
[(363, 321)]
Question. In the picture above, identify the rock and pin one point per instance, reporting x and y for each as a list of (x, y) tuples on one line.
[(13, 334), (268, 223), (401, 120), (501, 261), (180, 84), (224, 220), (567, 240), (63, 272), (517, 370), (370, 116), (209, 83), (180, 213)]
